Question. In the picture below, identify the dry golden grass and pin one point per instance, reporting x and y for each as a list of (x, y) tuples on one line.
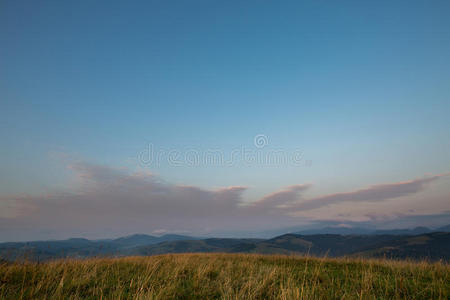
[(224, 276)]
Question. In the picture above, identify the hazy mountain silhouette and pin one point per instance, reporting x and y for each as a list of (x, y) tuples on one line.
[(364, 231), (396, 244)]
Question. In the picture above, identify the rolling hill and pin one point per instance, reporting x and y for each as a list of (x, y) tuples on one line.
[(431, 246)]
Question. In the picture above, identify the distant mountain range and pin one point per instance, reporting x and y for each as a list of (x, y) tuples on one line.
[(397, 244), (432, 246), (79, 247), (366, 231)]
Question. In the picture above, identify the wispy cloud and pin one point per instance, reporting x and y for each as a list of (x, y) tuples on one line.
[(109, 201), (390, 220), (374, 193), (281, 199)]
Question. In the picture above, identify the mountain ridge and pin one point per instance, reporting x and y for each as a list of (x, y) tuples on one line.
[(432, 246)]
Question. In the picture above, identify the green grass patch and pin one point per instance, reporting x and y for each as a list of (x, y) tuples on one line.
[(224, 276)]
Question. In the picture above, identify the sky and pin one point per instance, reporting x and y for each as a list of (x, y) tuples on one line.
[(222, 118)]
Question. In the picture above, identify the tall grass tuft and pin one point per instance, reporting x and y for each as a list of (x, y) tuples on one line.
[(224, 276)]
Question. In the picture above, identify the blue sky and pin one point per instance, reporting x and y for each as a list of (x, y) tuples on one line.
[(362, 89)]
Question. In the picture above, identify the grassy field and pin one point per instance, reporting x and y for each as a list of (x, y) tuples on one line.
[(224, 276)]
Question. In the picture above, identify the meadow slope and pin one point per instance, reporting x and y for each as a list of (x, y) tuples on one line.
[(224, 276)]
